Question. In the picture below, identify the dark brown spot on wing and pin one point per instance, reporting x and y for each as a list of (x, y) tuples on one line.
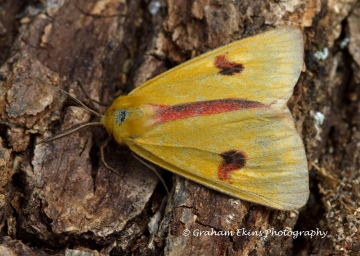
[(226, 67), (232, 160)]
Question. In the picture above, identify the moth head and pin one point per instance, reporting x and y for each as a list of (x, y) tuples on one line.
[(126, 118)]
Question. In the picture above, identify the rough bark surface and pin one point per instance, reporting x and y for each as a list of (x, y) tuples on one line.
[(57, 198)]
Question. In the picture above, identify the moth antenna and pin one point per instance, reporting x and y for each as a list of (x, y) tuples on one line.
[(69, 131), (80, 103), (74, 99), (87, 95), (154, 170), (105, 143), (82, 125), (97, 102)]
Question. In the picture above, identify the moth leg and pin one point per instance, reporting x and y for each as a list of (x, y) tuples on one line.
[(104, 144), (151, 167)]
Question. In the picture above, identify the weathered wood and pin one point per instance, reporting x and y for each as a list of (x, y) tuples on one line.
[(59, 198)]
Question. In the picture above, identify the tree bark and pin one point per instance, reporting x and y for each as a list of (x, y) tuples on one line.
[(58, 198)]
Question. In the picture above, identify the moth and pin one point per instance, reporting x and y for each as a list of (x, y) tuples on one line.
[(221, 120)]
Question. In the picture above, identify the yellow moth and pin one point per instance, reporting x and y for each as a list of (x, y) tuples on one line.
[(221, 120)]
